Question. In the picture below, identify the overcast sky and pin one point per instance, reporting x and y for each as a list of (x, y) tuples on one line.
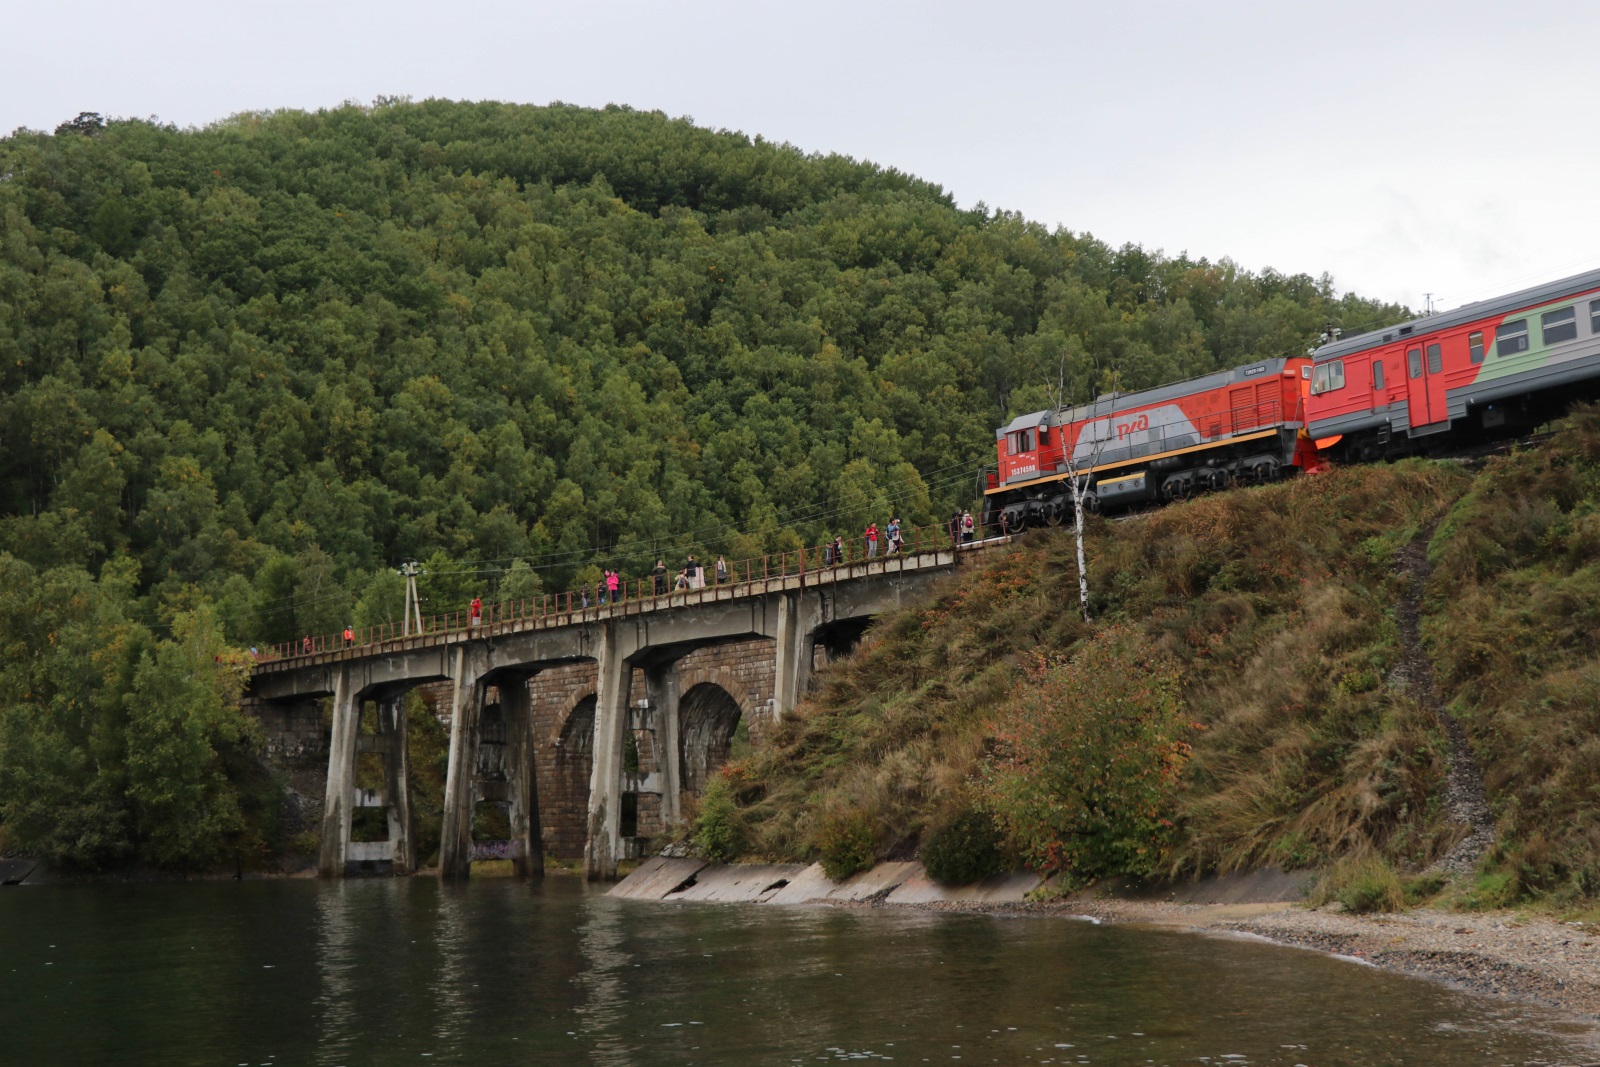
[(1403, 147)]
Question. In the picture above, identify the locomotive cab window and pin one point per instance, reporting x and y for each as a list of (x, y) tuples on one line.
[(1414, 362), (1559, 326), (1513, 338), (1021, 442), (1328, 377), (1475, 345)]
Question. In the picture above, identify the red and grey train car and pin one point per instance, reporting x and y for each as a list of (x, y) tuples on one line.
[(1233, 426), (1477, 372)]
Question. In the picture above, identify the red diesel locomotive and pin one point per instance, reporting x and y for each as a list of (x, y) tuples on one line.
[(1477, 372), (1210, 432)]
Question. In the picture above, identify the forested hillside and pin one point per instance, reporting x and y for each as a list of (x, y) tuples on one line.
[(246, 370), (271, 358)]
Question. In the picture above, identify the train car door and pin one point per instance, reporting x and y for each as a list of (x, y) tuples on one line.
[(1425, 384)]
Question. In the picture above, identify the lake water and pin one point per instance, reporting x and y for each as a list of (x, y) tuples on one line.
[(498, 972)]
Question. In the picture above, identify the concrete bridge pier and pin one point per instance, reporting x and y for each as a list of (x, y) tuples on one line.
[(661, 691), (796, 649), (337, 809), (612, 684), (469, 671), (344, 795)]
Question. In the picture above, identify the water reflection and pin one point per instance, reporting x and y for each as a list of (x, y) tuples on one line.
[(449, 985), (336, 963), (501, 972), (600, 943)]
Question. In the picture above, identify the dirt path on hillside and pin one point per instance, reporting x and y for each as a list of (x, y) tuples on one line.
[(1465, 799)]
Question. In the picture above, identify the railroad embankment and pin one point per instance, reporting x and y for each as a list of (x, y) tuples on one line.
[(1386, 674)]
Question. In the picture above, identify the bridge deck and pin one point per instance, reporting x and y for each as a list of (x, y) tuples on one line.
[(763, 577)]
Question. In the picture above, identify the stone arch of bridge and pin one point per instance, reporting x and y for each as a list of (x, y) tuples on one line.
[(708, 715)]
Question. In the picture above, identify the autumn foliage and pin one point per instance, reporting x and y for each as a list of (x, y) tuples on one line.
[(1087, 758)]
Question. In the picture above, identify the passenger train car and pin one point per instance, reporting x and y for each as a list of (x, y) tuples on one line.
[(1477, 372), (1485, 370)]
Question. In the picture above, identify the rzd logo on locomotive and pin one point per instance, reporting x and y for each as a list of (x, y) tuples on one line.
[(1134, 426)]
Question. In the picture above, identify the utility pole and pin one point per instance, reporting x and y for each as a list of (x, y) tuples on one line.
[(1427, 304), (409, 570)]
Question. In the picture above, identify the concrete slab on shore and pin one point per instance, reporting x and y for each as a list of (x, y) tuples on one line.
[(812, 885), (1008, 888), (739, 883), (16, 871), (656, 877)]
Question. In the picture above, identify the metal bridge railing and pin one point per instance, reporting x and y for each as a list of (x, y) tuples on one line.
[(745, 578)]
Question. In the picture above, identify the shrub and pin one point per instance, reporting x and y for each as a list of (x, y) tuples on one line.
[(963, 850), (847, 844), (1362, 885), (719, 831), (1490, 890), (1088, 757)]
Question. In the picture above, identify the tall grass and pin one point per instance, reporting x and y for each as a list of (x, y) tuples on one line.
[(1512, 623)]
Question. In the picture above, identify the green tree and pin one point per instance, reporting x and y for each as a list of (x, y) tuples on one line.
[(183, 717)]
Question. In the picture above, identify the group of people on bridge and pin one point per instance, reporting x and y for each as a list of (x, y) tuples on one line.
[(611, 588)]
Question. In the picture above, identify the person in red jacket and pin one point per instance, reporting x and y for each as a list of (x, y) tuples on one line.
[(872, 540), (477, 610)]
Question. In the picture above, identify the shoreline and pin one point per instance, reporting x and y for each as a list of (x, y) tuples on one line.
[(1536, 960)]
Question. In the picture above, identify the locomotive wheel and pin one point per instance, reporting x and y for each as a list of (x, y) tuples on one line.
[(1054, 515)]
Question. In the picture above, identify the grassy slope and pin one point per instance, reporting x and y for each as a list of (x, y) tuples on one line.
[(1513, 628), (1277, 602)]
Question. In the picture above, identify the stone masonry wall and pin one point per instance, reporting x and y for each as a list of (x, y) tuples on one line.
[(562, 763)]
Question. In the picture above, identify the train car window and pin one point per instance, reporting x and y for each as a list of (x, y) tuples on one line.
[(1044, 435), (1435, 360), (1414, 362), (1559, 325), (1377, 374), (1328, 377), (1513, 338), (1475, 345), (1594, 316)]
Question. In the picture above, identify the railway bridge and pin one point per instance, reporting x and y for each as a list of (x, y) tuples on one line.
[(647, 693)]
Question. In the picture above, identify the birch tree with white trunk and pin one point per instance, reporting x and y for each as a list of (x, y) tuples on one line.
[(1081, 462)]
